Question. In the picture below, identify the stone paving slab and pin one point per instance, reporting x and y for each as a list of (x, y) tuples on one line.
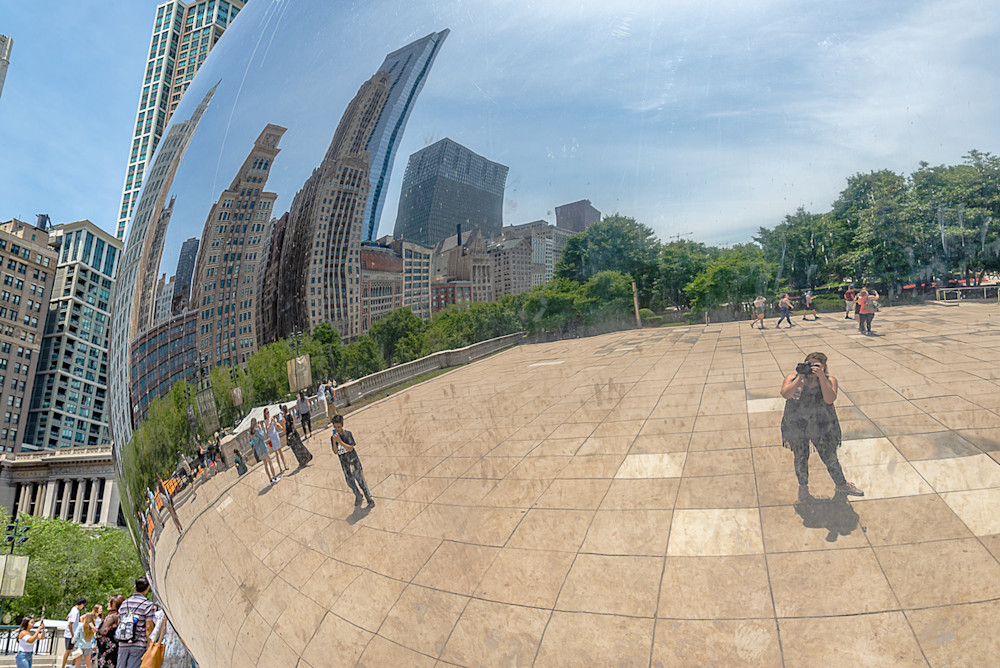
[(625, 500)]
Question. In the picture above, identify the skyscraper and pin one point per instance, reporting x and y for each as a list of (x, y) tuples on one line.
[(407, 68), (446, 186), (222, 290), (182, 275), (6, 46), (69, 402), (183, 34), (320, 271)]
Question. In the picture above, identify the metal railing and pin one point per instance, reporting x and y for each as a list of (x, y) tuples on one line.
[(954, 294), (45, 645)]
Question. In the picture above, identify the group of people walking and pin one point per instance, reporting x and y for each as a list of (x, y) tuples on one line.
[(133, 630), (860, 304)]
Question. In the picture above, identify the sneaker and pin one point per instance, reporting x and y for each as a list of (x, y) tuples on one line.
[(371, 502), (849, 489)]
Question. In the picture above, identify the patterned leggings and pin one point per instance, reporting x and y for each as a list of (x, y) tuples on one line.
[(829, 457)]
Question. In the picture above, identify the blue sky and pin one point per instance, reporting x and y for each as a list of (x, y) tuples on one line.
[(708, 118)]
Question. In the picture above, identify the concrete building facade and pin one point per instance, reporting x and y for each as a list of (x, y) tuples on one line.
[(511, 267), (183, 34), (547, 244), (69, 402), (577, 216), (75, 484), (446, 185), (164, 299), (465, 258), (224, 279), (27, 267), (320, 267), (381, 283), (451, 293), (416, 276)]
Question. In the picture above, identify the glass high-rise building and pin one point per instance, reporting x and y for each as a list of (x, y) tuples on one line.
[(447, 186), (407, 68), (6, 46), (183, 34)]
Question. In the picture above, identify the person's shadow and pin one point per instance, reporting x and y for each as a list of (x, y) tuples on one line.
[(358, 514), (835, 515)]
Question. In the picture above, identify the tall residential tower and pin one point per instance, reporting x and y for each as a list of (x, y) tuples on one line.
[(6, 45), (183, 34)]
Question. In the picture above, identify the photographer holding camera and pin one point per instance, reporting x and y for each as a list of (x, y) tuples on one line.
[(809, 394)]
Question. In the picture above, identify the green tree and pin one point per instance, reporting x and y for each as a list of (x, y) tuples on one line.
[(679, 263), (68, 561), (616, 243), (397, 325), (361, 358), (735, 277)]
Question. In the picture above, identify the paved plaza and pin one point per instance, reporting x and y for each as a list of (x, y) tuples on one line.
[(625, 500)]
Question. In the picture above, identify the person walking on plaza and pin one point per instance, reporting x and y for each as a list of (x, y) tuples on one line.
[(786, 309), (168, 503), (321, 399), (809, 415), (107, 645), (262, 448), (135, 621), (302, 455), (83, 641), (302, 406), (342, 442), (867, 306), (758, 312), (810, 307), (849, 296), (27, 635), (273, 426), (72, 621)]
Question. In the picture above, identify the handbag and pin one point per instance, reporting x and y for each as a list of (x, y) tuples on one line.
[(75, 654), (153, 657)]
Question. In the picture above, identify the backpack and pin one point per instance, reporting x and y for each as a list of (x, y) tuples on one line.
[(126, 628)]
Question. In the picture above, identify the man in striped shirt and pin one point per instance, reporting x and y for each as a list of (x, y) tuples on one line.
[(140, 607)]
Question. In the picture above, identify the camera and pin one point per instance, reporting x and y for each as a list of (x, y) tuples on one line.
[(804, 369)]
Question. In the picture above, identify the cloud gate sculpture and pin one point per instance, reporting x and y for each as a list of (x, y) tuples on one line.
[(621, 499)]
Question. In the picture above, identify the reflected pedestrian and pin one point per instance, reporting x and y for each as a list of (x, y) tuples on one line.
[(758, 312), (83, 641), (302, 455), (786, 310), (867, 305), (239, 462), (810, 306), (322, 400), (262, 448), (168, 503), (342, 442), (273, 427), (849, 296), (302, 406), (72, 622), (810, 415)]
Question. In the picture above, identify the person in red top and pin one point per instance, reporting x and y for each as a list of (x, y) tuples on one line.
[(866, 311), (849, 296)]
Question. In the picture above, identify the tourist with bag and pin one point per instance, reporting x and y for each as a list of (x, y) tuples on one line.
[(107, 645), (153, 657), (135, 622), (83, 641), (302, 455)]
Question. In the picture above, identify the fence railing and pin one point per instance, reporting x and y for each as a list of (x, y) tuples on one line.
[(355, 390), (978, 292), (43, 646)]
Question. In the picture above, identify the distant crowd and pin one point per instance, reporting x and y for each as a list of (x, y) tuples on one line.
[(861, 304)]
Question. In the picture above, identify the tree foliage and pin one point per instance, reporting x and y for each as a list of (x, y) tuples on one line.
[(68, 561)]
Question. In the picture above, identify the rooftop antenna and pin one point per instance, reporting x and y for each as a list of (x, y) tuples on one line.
[(677, 237)]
